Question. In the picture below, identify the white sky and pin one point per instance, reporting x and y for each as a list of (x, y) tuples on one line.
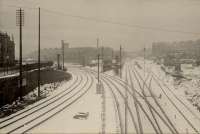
[(182, 15)]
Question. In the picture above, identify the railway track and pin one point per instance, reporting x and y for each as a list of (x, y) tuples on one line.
[(158, 79), (50, 111), (115, 83), (186, 119), (20, 116), (118, 107), (115, 100), (135, 104), (124, 84), (87, 89), (170, 90), (171, 126), (134, 98), (105, 80), (37, 105), (152, 121)]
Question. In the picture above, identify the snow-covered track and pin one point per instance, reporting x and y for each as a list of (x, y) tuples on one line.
[(156, 80), (115, 82), (125, 84), (37, 105), (135, 102), (171, 126), (32, 110), (117, 105), (187, 120), (30, 122), (76, 99), (114, 97)]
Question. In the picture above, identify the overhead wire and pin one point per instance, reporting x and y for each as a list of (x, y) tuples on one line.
[(120, 23), (110, 21)]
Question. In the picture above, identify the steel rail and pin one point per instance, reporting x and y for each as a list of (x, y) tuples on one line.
[(41, 115), (42, 102), (81, 95)]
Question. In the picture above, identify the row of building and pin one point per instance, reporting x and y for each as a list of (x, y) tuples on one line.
[(187, 49), (184, 52), (7, 50)]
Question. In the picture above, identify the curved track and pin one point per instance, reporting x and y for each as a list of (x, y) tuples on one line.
[(152, 113), (50, 109), (42, 102), (170, 125), (170, 100), (115, 82)]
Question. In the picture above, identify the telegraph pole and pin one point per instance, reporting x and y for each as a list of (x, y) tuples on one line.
[(112, 54), (58, 60), (63, 53), (102, 56), (98, 66), (79, 58), (20, 23), (98, 45), (98, 56), (126, 108), (102, 48), (39, 53), (144, 60), (120, 56)]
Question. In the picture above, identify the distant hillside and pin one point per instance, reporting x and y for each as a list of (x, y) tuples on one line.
[(72, 54)]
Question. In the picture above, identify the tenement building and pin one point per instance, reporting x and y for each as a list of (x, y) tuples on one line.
[(7, 50)]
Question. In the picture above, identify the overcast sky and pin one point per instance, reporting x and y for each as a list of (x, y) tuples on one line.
[(173, 15)]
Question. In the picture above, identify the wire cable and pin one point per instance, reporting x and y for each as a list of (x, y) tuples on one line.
[(112, 22)]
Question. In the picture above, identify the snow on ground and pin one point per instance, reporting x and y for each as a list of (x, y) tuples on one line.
[(191, 71), (65, 123), (47, 91), (180, 118), (3, 74), (179, 89), (189, 88), (90, 102)]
